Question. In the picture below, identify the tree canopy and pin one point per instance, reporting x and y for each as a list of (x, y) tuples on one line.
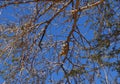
[(60, 41)]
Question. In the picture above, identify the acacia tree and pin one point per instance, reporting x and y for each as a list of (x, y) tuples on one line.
[(60, 41)]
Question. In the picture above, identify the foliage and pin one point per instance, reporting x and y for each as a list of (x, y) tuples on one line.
[(60, 41)]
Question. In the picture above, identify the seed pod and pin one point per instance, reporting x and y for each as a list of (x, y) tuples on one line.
[(65, 49)]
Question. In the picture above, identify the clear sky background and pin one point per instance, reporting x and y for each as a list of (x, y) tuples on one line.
[(7, 16)]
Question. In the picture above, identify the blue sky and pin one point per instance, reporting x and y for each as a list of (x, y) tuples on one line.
[(7, 15)]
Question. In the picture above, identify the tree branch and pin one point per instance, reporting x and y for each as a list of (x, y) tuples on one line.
[(88, 6)]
